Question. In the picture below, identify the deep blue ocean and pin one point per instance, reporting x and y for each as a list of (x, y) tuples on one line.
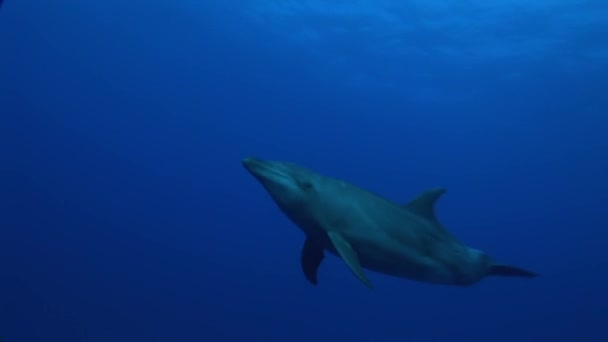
[(126, 214)]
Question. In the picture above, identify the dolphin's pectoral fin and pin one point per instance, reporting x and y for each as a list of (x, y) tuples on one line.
[(510, 271), (349, 255), (312, 255)]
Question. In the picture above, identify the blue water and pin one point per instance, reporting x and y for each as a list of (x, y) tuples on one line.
[(127, 216)]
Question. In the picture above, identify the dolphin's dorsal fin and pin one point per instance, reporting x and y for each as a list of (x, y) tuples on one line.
[(424, 204)]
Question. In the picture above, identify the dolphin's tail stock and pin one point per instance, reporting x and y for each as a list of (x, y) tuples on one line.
[(510, 271)]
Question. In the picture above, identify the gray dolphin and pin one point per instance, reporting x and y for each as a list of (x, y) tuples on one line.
[(371, 232)]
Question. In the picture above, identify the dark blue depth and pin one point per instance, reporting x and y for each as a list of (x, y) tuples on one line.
[(126, 214)]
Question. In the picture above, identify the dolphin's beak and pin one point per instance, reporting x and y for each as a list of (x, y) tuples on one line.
[(263, 170), (252, 163), (256, 166)]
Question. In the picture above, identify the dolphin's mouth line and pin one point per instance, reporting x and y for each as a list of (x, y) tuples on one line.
[(262, 168), (269, 170)]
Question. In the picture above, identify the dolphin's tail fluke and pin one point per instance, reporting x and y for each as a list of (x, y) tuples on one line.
[(510, 271)]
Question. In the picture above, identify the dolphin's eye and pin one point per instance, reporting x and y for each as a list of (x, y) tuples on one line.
[(306, 185)]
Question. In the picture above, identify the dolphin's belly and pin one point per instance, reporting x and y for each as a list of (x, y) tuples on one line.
[(391, 257)]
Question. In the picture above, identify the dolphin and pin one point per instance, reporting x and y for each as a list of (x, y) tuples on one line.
[(370, 232)]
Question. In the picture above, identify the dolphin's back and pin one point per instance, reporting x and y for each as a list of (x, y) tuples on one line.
[(395, 220)]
